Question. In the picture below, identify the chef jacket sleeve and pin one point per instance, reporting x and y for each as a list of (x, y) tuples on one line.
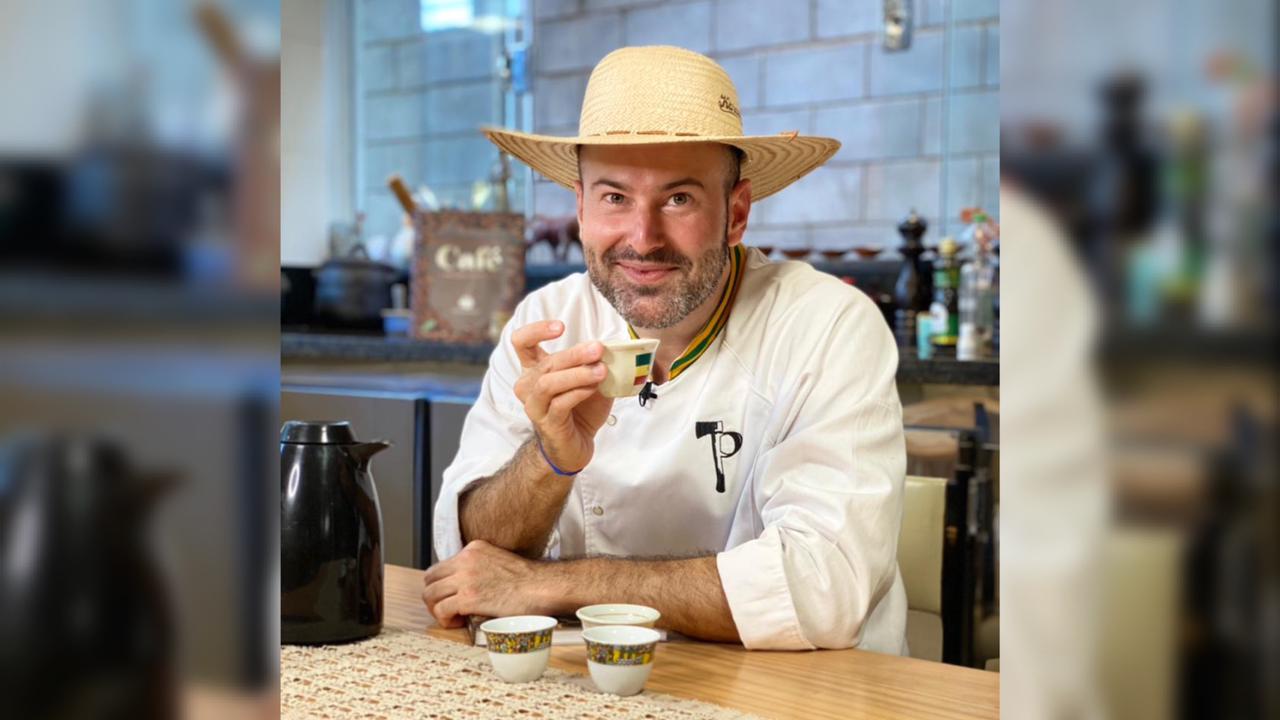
[(829, 493)]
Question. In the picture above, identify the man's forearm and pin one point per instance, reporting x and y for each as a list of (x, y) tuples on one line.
[(516, 508), (687, 592)]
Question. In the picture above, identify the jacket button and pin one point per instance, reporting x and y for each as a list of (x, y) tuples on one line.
[(597, 510), (613, 420)]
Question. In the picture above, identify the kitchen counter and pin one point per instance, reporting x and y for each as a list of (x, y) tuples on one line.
[(422, 380), (372, 348), (817, 684)]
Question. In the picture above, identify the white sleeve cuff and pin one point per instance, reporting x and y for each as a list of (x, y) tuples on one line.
[(755, 584)]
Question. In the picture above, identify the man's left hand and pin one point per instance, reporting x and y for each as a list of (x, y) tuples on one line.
[(482, 580)]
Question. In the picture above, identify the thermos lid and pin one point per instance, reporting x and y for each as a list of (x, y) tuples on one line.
[(317, 432)]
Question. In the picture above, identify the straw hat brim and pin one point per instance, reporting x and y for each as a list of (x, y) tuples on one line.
[(771, 162)]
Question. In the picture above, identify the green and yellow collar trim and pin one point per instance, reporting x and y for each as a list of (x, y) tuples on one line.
[(719, 318)]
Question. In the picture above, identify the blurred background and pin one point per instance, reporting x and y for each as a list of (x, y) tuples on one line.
[(139, 245), (1140, 179), (147, 197)]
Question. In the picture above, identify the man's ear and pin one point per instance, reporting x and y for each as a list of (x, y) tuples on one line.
[(739, 209)]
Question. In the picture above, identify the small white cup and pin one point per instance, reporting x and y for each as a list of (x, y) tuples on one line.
[(519, 646), (617, 614), (627, 364), (620, 657)]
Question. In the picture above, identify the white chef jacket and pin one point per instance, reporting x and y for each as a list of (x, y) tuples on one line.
[(806, 528)]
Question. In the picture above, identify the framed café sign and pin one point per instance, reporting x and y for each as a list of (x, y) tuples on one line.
[(468, 274)]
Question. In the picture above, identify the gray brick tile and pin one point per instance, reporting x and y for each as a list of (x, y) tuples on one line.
[(894, 189), (387, 19), (577, 44), (686, 24), (448, 55), (377, 68), (458, 160), (814, 75), (828, 194), (874, 130), (382, 160), (967, 57), (965, 10), (991, 74), (394, 116), (932, 144), (837, 18), (974, 122), (457, 108), (754, 23), (557, 101), (917, 69), (547, 9), (991, 184)]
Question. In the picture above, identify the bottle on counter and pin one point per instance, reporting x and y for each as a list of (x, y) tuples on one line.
[(924, 335), (979, 288), (945, 308), (911, 291)]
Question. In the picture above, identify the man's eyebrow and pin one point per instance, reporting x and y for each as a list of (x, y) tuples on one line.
[(669, 186), (684, 181), (609, 183)]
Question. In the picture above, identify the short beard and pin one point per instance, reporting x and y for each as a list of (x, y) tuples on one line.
[(687, 296)]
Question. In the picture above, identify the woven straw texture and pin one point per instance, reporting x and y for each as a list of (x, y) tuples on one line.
[(661, 94), (403, 674)]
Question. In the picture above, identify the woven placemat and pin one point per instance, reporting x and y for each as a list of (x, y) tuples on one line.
[(403, 674)]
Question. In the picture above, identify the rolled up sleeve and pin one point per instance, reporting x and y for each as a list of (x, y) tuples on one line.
[(829, 493), (495, 428)]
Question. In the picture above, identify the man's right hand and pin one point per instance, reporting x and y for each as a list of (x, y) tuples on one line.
[(560, 393)]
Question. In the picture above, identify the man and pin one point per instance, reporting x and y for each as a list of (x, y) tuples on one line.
[(755, 494)]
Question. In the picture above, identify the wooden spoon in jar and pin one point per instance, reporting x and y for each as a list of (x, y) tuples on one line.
[(401, 191)]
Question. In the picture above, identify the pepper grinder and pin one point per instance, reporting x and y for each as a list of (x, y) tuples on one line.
[(912, 290)]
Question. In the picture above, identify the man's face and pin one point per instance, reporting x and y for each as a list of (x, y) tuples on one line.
[(656, 225)]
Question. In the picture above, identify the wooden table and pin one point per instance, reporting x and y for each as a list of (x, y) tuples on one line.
[(821, 684)]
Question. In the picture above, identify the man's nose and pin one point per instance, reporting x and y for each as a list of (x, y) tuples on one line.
[(648, 233)]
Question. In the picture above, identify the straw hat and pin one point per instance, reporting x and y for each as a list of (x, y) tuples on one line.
[(663, 94)]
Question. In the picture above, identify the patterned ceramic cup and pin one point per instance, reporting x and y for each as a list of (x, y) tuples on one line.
[(620, 657), (617, 614), (627, 363), (519, 646)]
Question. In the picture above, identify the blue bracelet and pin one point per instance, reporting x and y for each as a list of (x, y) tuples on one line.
[(554, 469)]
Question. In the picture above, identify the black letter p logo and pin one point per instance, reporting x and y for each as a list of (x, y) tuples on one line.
[(717, 433)]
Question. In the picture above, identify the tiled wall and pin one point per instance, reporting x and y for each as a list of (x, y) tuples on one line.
[(810, 65), (423, 97), (815, 66)]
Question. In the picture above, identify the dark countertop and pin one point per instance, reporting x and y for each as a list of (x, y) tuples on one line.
[(467, 363), (947, 372), (431, 381), (375, 347)]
